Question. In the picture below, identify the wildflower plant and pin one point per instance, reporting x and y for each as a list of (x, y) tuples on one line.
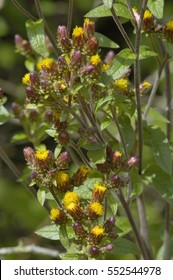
[(91, 106)]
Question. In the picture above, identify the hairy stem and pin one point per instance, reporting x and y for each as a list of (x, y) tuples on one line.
[(70, 14), (22, 10), (55, 196)]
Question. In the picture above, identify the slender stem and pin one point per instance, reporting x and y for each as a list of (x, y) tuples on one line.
[(131, 12), (155, 86), (49, 34), (121, 29), (143, 225), (70, 14), (78, 150), (113, 110), (133, 224), (137, 74), (166, 237), (22, 10), (55, 196)]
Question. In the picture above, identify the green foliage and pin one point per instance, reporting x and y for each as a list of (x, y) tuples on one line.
[(105, 42), (156, 7), (50, 232)]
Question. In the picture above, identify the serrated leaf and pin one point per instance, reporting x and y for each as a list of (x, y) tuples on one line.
[(157, 140), (123, 60), (146, 52), (20, 136), (102, 11), (50, 232), (98, 156), (156, 7), (4, 115), (105, 42), (108, 3), (41, 196), (35, 32)]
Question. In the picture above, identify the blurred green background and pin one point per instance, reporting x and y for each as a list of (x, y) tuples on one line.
[(20, 214)]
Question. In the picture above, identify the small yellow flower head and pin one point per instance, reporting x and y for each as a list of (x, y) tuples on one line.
[(148, 21), (58, 216), (94, 210), (116, 159), (88, 28), (97, 233), (80, 176), (70, 197), (78, 37), (121, 84), (168, 31), (45, 63), (75, 211), (98, 192), (62, 180), (105, 67), (144, 87), (42, 154), (26, 79), (95, 60)]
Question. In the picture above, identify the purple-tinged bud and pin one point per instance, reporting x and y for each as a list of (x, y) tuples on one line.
[(113, 235), (107, 248), (116, 181), (76, 60), (62, 32), (33, 114), (94, 251), (92, 45), (65, 44), (79, 230), (16, 109), (63, 138), (109, 224), (109, 154), (62, 64), (32, 94), (109, 57), (88, 69), (48, 116), (89, 28), (34, 78), (131, 162), (103, 167), (63, 159), (29, 155), (18, 41), (116, 159)]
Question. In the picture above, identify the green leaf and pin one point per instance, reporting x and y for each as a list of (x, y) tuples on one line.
[(156, 7), (35, 32), (156, 139), (102, 11), (161, 180), (123, 246), (128, 132), (94, 147), (146, 52), (105, 123), (50, 232), (41, 196), (136, 183), (98, 156), (51, 132), (103, 102), (73, 256), (18, 137), (63, 236), (108, 3), (156, 118), (124, 59), (29, 64), (105, 42), (4, 115), (123, 224), (57, 150)]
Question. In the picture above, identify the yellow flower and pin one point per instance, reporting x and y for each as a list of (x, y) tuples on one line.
[(75, 210), (105, 67), (98, 231), (26, 79), (146, 85), (42, 154), (148, 15), (95, 59), (96, 208), (87, 21), (62, 180), (54, 214), (80, 176), (121, 84), (45, 63), (98, 192), (70, 197), (77, 32), (169, 26)]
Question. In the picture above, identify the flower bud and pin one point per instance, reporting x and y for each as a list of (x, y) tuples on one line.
[(116, 159), (76, 60), (78, 37), (96, 234), (107, 248), (16, 109), (58, 216), (33, 114), (34, 78), (131, 162), (62, 32), (148, 21), (63, 159), (32, 95), (89, 28), (29, 155), (18, 41), (103, 167), (92, 45), (79, 230), (109, 224), (94, 251), (48, 116), (88, 69), (63, 138), (168, 31), (80, 176), (65, 44), (116, 181), (109, 57)]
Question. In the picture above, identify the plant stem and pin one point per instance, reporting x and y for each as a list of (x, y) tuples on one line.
[(49, 34), (143, 225), (155, 86), (113, 110), (131, 12), (78, 150), (121, 29), (166, 237), (55, 196), (70, 14), (133, 224), (22, 10)]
